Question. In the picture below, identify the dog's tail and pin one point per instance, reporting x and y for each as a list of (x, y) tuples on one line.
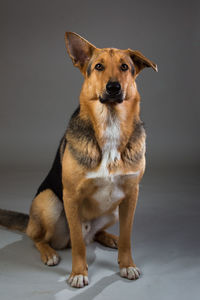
[(13, 220)]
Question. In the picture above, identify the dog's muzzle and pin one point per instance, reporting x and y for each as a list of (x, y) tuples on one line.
[(113, 93)]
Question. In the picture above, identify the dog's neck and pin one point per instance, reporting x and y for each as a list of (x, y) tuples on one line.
[(106, 135), (113, 124)]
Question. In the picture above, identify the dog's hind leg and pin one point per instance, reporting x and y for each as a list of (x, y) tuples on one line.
[(107, 239), (47, 226), (48, 255)]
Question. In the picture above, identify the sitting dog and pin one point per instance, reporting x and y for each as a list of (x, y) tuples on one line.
[(94, 179)]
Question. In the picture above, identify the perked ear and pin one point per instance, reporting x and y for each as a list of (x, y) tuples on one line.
[(79, 49), (140, 61)]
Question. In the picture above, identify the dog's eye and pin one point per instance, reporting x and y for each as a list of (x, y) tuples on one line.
[(124, 67), (99, 67)]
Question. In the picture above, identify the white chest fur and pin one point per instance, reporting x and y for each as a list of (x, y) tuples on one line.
[(108, 192), (110, 151)]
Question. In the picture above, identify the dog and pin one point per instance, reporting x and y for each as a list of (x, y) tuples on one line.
[(94, 179)]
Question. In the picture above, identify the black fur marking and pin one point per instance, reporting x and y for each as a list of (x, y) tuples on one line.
[(53, 180), (84, 160), (133, 70), (64, 145), (89, 69), (138, 131), (83, 132), (130, 155), (79, 128)]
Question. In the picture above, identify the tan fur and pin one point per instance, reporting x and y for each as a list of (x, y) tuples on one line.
[(107, 239), (80, 205)]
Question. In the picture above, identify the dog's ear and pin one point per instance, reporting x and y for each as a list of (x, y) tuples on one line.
[(140, 61), (79, 49)]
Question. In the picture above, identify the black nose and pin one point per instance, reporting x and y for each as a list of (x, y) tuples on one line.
[(113, 88)]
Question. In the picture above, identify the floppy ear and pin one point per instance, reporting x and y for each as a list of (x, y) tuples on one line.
[(140, 61), (79, 49)]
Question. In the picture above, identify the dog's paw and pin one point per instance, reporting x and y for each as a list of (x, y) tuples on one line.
[(50, 259), (78, 281), (131, 273), (113, 242), (107, 239), (53, 261)]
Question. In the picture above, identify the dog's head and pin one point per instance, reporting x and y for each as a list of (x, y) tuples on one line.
[(109, 73)]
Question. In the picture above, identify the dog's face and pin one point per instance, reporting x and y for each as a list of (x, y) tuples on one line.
[(109, 73)]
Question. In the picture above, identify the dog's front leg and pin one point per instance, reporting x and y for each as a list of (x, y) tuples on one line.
[(79, 275), (127, 207)]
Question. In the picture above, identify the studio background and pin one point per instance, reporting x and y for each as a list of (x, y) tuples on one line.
[(39, 90), (40, 87)]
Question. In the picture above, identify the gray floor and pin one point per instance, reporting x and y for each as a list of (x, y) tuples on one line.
[(166, 245)]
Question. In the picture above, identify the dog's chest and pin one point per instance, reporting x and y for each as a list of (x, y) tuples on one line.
[(108, 189), (108, 192)]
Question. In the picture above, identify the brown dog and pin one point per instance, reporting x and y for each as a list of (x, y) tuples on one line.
[(98, 166)]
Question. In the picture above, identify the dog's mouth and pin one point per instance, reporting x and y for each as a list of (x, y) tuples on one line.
[(109, 99)]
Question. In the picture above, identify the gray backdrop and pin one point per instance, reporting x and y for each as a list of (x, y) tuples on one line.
[(39, 87)]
